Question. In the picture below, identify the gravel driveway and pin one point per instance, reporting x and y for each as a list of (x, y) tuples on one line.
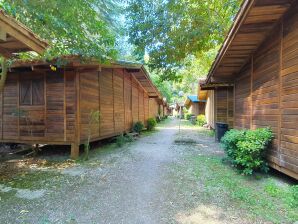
[(147, 181)]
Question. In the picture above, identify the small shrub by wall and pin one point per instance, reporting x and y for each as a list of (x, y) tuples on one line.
[(151, 123), (201, 120), (247, 148), (138, 127)]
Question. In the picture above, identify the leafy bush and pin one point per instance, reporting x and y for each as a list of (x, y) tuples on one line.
[(138, 127), (151, 123), (188, 116), (201, 120), (246, 148), (122, 139)]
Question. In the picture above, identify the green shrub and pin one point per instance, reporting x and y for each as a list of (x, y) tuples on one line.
[(138, 127), (151, 123), (188, 116), (201, 120), (122, 139), (246, 148)]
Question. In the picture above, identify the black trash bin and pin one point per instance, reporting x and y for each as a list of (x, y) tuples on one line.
[(221, 129)]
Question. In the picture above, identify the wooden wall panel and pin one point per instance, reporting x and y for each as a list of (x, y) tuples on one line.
[(106, 102), (70, 104), (127, 100), (265, 89), (224, 106), (243, 99), (146, 107), (135, 101), (32, 116), (153, 108), (289, 94), (55, 106), (10, 105), (141, 105), (89, 103), (118, 100)]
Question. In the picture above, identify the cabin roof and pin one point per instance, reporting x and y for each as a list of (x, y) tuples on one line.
[(15, 37), (252, 25), (138, 70), (193, 99)]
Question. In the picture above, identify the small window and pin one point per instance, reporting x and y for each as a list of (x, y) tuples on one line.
[(32, 92)]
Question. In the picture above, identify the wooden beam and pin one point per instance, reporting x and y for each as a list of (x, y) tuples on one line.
[(3, 34)]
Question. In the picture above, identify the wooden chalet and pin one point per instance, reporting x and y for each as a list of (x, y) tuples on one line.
[(194, 105), (43, 103), (255, 76)]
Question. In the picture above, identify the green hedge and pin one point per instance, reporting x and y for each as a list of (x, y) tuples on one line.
[(247, 148), (138, 127)]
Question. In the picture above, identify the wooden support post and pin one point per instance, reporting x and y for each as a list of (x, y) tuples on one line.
[(75, 151)]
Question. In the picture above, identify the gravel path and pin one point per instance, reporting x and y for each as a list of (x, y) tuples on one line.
[(141, 183)]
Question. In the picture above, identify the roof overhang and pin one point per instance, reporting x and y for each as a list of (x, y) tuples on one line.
[(252, 25), (16, 38), (77, 62)]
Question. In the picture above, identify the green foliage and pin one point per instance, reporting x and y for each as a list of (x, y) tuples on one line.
[(188, 116), (201, 120), (122, 139), (151, 123), (246, 148), (158, 119), (81, 27), (171, 31), (138, 127)]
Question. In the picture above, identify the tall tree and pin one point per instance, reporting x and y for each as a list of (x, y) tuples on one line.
[(80, 27), (172, 30)]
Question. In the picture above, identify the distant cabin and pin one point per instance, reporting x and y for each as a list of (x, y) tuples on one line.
[(255, 77), (194, 105)]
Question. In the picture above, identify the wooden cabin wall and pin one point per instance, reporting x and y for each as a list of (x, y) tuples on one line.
[(141, 105), (153, 108), (128, 100), (224, 105), (146, 107), (266, 93), (39, 106), (118, 88), (201, 109), (107, 127), (89, 103), (243, 99), (135, 101)]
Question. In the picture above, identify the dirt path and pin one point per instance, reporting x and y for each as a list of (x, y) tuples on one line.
[(148, 181)]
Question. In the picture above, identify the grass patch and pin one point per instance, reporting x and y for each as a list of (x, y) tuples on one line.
[(262, 197)]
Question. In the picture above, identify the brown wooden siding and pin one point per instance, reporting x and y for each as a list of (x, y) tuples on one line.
[(89, 103), (128, 101), (54, 107), (118, 100), (141, 105), (224, 106), (243, 99), (106, 102), (153, 108), (266, 93), (135, 101)]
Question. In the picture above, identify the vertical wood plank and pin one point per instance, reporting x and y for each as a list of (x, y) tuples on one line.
[(64, 103)]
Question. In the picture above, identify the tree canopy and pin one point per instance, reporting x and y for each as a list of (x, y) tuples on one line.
[(170, 31), (80, 27)]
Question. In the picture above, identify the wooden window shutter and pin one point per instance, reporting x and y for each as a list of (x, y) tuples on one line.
[(38, 92), (25, 92)]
